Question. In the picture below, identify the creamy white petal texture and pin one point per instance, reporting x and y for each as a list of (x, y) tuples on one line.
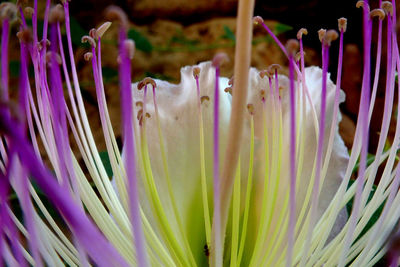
[(307, 154), (178, 113)]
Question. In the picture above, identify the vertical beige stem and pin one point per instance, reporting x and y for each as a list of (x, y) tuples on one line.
[(244, 32)]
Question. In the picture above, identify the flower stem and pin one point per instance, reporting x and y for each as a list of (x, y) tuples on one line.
[(239, 97)]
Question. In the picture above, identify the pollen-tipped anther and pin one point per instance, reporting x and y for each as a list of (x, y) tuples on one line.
[(43, 43), (330, 36), (362, 4), (219, 59), (387, 7), (93, 33), (28, 12), (8, 11), (263, 73), (139, 103), (258, 20), (378, 12), (145, 82), (88, 39), (114, 13), (25, 35), (262, 94), (250, 109), (342, 24), (196, 72), (204, 98), (228, 90), (301, 32), (321, 34), (273, 68), (88, 56), (102, 29), (56, 14), (52, 56), (292, 46), (129, 45), (231, 81)]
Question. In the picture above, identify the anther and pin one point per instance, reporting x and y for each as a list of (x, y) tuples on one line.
[(114, 13), (140, 116), (263, 73), (250, 109), (42, 44), (129, 45), (321, 34), (196, 72), (145, 82), (301, 32), (342, 24), (50, 56), (273, 68), (231, 80), (8, 11), (28, 12), (292, 46), (262, 94), (139, 103), (88, 56), (330, 36), (258, 20), (93, 33), (88, 39), (387, 7), (219, 59), (25, 36), (228, 90), (103, 28), (204, 98), (362, 4), (56, 14), (378, 12)]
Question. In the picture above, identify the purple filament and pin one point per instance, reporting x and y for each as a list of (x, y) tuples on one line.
[(129, 148), (292, 193), (216, 181)]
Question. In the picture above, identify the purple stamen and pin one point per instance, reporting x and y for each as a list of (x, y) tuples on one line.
[(88, 235), (129, 148), (362, 132), (46, 20), (216, 180), (293, 164)]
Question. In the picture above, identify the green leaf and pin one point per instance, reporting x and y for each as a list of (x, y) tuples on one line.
[(109, 74), (14, 67), (106, 162), (76, 33), (228, 34), (282, 28), (141, 41)]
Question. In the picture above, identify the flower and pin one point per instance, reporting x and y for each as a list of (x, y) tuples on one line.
[(202, 179)]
